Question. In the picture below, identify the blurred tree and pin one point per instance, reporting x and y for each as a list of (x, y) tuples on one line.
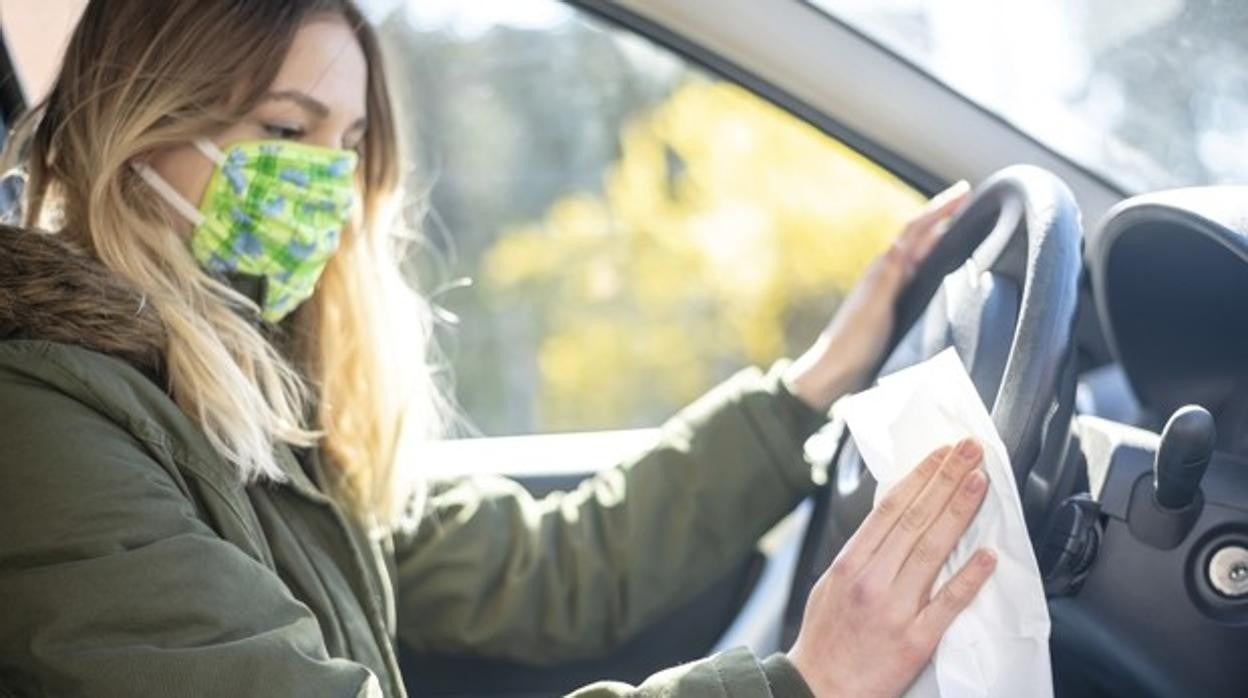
[(725, 234), (638, 231), (499, 125)]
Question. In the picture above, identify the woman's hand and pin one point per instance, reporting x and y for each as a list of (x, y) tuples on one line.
[(871, 622), (841, 359)]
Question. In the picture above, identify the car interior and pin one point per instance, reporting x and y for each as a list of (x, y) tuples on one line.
[(1106, 331)]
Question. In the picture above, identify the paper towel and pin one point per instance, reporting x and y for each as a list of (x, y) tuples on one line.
[(999, 646)]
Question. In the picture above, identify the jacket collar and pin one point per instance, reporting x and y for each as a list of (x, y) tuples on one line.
[(51, 290)]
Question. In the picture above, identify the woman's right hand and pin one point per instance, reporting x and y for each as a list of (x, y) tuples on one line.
[(872, 622)]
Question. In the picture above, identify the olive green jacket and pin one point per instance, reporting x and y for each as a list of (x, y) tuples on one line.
[(133, 561)]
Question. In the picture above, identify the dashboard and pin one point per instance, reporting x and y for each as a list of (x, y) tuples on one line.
[(1146, 563)]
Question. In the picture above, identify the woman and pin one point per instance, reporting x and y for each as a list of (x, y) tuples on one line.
[(204, 407)]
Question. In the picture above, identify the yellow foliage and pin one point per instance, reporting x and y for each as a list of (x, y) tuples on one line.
[(725, 234)]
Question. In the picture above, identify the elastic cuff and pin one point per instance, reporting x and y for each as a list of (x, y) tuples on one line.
[(783, 427), (784, 679), (804, 419)]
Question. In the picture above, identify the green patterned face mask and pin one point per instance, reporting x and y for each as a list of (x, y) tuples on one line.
[(272, 210)]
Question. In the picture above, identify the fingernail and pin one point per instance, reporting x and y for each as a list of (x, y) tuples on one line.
[(976, 481), (985, 558), (968, 450)]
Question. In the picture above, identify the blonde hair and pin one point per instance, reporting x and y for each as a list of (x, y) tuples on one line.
[(142, 76)]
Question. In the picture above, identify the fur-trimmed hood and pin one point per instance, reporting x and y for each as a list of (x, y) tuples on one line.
[(50, 290)]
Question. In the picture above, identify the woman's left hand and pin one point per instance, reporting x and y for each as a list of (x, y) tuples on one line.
[(843, 356)]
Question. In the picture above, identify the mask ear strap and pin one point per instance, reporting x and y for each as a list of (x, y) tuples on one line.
[(210, 150), (169, 194)]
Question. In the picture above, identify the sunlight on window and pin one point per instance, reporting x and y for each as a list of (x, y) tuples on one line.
[(638, 230), (734, 257), (1148, 94)]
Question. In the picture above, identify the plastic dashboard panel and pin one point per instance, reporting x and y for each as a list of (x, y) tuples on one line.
[(1170, 273)]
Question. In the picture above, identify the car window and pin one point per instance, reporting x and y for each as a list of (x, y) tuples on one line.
[(1148, 94), (635, 228)]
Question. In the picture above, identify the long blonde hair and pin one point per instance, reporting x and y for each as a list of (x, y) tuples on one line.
[(355, 377)]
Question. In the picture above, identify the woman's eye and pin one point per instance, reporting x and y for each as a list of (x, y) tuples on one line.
[(283, 132)]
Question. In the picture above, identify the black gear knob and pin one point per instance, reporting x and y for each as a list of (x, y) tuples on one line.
[(1183, 456)]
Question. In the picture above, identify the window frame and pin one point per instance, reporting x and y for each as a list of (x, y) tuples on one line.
[(908, 172), (949, 116), (988, 113), (547, 461), (515, 455)]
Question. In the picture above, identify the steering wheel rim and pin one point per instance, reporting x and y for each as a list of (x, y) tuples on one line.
[(1012, 255)]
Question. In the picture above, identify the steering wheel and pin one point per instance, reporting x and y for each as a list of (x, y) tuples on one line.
[(1001, 287)]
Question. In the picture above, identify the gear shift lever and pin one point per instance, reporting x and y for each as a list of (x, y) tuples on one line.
[(1163, 511), (1182, 457)]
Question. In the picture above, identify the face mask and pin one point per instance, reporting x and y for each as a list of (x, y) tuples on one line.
[(273, 210)]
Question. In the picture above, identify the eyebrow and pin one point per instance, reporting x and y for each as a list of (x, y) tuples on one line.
[(309, 104)]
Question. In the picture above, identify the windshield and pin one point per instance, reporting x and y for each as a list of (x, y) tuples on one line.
[(1149, 94)]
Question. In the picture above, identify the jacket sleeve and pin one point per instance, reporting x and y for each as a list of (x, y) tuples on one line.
[(729, 674), (492, 571), (112, 586)]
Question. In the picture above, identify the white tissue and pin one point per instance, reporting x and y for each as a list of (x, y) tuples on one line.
[(999, 646)]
